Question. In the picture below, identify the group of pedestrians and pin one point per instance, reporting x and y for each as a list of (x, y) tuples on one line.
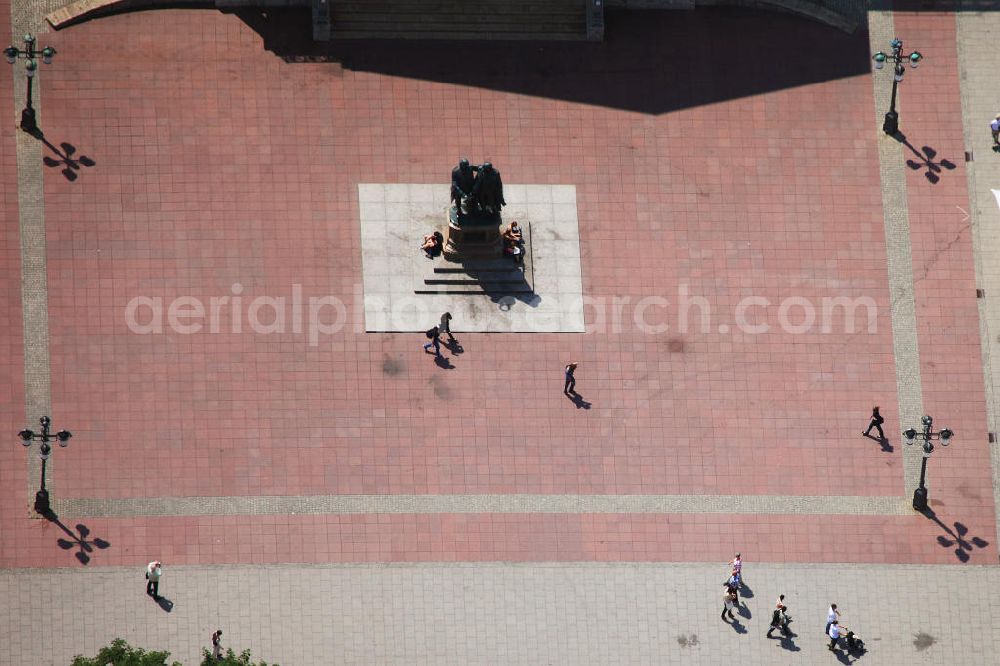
[(434, 334), (154, 571), (780, 618), (443, 327)]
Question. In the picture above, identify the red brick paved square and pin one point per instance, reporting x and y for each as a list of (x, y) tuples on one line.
[(231, 166)]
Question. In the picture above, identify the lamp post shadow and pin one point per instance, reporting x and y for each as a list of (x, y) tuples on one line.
[(78, 539)]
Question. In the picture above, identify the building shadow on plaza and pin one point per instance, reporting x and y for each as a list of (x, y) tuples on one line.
[(650, 62)]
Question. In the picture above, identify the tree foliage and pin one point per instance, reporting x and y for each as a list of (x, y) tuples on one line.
[(231, 659), (121, 653)]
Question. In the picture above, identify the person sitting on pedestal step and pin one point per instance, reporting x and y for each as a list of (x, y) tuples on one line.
[(432, 244), (513, 233)]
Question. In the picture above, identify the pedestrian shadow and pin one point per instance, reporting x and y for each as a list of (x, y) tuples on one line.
[(842, 656), (925, 160), (77, 539), (846, 656), (166, 604), (744, 611), (443, 363), (455, 347), (884, 443), (578, 400), (65, 154), (737, 626), (745, 590), (958, 540), (787, 643)]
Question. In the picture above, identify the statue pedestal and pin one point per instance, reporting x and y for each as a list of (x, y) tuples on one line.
[(473, 236)]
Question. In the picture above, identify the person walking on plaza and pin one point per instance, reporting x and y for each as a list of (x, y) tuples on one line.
[(435, 340), (876, 423), (834, 633), (570, 387), (995, 129), (733, 591), (832, 615), (445, 326), (779, 620), (737, 565), (729, 601), (153, 572), (217, 644)]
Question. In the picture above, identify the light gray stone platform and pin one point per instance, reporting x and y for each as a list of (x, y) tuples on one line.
[(442, 614), (396, 217)]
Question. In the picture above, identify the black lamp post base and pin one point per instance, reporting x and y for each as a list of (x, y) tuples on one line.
[(891, 124), (42, 502), (28, 122), (920, 499)]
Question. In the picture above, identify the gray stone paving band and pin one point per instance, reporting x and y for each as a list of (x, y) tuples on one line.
[(898, 255), (491, 614), (25, 18), (978, 51), (423, 504)]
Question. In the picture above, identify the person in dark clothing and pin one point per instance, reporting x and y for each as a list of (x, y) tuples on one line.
[(876, 423), (445, 326), (570, 387), (729, 603), (435, 340), (779, 618), (217, 644)]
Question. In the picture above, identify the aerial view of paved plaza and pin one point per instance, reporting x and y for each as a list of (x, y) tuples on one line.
[(751, 306)]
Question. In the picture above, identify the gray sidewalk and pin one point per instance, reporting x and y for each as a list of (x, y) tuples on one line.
[(978, 35), (502, 614)]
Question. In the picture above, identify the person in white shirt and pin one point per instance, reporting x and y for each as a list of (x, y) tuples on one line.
[(834, 634), (995, 129), (832, 615), (153, 573)]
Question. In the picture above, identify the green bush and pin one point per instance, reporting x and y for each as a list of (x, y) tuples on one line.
[(121, 653), (231, 659)]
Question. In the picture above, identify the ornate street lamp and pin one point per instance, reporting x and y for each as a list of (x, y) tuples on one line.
[(29, 55), (891, 124), (911, 435), (44, 451)]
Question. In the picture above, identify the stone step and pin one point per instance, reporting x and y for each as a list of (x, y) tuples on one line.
[(458, 19), (465, 281), (476, 290), (445, 271)]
